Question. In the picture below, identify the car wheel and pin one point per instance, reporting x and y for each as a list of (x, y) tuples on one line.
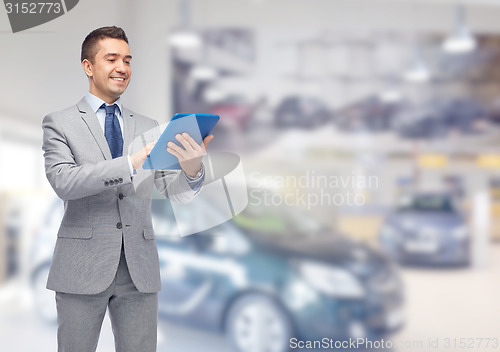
[(44, 299), (257, 323)]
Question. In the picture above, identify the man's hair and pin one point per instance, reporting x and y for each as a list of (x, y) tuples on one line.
[(89, 45)]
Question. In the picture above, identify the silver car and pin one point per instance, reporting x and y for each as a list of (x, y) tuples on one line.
[(427, 228)]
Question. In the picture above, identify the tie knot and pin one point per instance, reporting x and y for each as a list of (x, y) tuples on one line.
[(110, 109)]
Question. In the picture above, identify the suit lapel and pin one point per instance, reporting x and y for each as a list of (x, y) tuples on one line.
[(93, 124), (128, 129)]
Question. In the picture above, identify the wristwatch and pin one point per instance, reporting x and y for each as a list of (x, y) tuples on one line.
[(198, 174)]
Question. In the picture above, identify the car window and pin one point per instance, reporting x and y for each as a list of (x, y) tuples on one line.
[(169, 221), (434, 203), (224, 239), (163, 220), (278, 221), (55, 214)]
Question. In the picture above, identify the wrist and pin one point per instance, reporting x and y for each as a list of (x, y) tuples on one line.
[(136, 162), (193, 176)]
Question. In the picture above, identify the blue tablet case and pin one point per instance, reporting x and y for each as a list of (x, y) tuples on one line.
[(197, 126)]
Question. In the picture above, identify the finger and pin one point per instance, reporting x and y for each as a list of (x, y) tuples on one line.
[(207, 140), (191, 141), (149, 147), (180, 152), (184, 142), (175, 153), (175, 147)]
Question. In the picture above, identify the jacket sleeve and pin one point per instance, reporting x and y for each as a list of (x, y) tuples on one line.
[(70, 180)]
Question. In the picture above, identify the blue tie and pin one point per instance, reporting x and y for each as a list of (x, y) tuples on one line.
[(112, 131)]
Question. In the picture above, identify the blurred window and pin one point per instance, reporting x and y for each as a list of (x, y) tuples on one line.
[(278, 220), (433, 203), (17, 156)]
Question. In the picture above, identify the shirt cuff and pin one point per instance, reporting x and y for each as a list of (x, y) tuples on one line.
[(130, 167), (196, 182)]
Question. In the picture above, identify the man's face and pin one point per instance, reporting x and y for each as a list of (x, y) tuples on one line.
[(109, 75)]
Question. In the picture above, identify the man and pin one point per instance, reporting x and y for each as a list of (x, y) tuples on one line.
[(105, 255)]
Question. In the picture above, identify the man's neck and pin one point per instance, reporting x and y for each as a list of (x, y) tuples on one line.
[(107, 100), (96, 102)]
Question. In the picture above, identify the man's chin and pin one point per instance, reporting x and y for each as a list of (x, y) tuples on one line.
[(118, 92)]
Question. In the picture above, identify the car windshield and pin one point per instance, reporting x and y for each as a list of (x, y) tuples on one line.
[(429, 202), (280, 221), (262, 220)]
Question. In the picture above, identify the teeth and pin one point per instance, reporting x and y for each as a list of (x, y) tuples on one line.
[(119, 79)]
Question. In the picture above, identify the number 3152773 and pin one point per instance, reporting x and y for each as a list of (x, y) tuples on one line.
[(33, 7)]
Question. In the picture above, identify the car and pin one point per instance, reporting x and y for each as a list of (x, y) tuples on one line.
[(40, 256), (268, 275), (236, 112), (427, 228), (369, 114), (440, 118), (300, 111)]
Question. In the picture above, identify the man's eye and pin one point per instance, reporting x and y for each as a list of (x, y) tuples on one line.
[(112, 60), (127, 62)]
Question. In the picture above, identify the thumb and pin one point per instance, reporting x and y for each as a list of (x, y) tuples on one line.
[(148, 147), (207, 140)]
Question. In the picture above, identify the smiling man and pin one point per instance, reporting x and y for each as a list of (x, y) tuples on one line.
[(107, 64), (105, 255)]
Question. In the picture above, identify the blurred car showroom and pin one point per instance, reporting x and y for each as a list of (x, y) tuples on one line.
[(369, 136)]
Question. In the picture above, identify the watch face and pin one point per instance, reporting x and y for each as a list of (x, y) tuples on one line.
[(198, 174)]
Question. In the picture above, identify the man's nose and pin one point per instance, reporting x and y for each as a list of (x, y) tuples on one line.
[(120, 66)]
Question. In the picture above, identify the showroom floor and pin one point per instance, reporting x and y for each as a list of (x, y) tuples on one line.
[(443, 306)]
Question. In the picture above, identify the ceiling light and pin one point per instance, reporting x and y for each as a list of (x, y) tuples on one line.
[(214, 95), (418, 73), (183, 36), (461, 40), (185, 40), (203, 73), (391, 96)]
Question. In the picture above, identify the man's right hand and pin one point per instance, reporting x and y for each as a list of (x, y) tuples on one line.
[(138, 158)]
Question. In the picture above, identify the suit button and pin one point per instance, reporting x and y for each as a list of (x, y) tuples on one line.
[(116, 181), (111, 182), (121, 196), (106, 183), (119, 225), (120, 180)]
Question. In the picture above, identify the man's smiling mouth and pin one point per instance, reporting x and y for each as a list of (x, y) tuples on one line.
[(120, 79)]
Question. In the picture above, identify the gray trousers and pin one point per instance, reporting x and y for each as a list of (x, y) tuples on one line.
[(133, 315)]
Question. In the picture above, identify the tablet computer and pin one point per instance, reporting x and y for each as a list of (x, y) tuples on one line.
[(197, 126)]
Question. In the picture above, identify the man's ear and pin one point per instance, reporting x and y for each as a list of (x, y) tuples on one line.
[(87, 67)]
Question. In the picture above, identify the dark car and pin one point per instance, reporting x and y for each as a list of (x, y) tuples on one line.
[(298, 111), (427, 228), (369, 114), (235, 110), (269, 275), (441, 118)]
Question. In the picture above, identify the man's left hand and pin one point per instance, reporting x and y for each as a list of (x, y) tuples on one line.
[(190, 156)]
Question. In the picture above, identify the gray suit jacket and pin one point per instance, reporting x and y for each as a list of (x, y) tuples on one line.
[(102, 202)]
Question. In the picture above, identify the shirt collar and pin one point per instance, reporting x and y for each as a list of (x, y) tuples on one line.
[(95, 102)]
